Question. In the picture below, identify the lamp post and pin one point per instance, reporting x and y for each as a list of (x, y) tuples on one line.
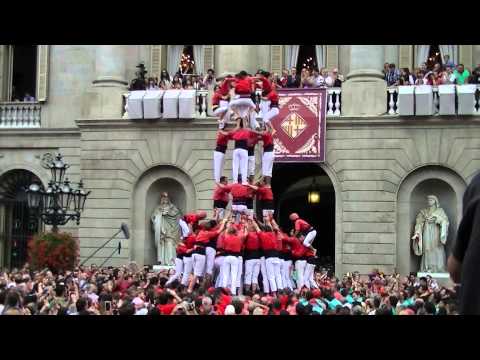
[(54, 205), (313, 193)]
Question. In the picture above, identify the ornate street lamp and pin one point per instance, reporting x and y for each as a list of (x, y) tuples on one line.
[(313, 193), (54, 204)]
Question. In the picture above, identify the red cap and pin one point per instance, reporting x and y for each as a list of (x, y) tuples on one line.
[(317, 293), (211, 290)]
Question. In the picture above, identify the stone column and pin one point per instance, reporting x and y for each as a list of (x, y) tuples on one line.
[(234, 58), (106, 100), (365, 92)]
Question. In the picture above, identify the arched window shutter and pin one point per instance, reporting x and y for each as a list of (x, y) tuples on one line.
[(405, 56), (155, 61), (466, 56), (42, 72), (276, 57), (208, 57), (332, 57)]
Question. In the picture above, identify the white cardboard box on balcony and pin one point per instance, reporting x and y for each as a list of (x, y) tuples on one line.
[(135, 104), (406, 100), (423, 100), (446, 95), (466, 99), (170, 104), (152, 104), (186, 104)]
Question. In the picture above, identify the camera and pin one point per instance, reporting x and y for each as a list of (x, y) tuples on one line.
[(108, 305)]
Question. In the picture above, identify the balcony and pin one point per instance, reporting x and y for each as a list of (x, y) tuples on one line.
[(20, 115)]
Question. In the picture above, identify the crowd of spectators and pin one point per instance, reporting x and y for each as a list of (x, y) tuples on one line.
[(128, 290), (307, 78), (439, 74)]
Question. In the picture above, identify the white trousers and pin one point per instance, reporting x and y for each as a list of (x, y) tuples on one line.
[(309, 238), (300, 269), (267, 163), (222, 110), (218, 270), (286, 278), (264, 107), (199, 261), (267, 212), (187, 269), (251, 165), (178, 271), (239, 273), (273, 273), (263, 269), (230, 266), (218, 161), (240, 164), (221, 213), (242, 106), (270, 114), (252, 269), (253, 120), (210, 259)]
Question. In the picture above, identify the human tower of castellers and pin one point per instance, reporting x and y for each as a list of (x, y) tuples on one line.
[(235, 249)]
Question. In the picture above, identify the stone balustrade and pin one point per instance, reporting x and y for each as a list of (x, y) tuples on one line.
[(18, 115), (334, 101), (393, 100)]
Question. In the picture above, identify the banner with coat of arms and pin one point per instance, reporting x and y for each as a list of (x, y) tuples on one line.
[(300, 125)]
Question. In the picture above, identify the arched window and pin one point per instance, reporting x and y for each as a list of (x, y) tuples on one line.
[(187, 60), (307, 57)]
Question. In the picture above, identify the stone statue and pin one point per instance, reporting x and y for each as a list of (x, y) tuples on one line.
[(430, 236), (167, 231)]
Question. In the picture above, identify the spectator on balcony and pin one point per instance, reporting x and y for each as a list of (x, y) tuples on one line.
[(461, 75), (284, 78), (406, 77), (188, 85), (447, 62), (197, 82), (334, 79), (420, 78), (318, 79), (165, 80), (28, 97), (209, 79), (393, 75), (293, 79), (385, 70), (306, 79), (475, 76), (276, 81), (152, 84)]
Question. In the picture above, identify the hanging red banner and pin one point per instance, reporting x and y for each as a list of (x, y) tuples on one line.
[(300, 125)]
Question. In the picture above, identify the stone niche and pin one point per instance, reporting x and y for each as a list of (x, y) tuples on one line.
[(151, 184), (412, 197)]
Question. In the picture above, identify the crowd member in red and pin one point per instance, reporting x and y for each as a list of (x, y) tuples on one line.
[(252, 257), (220, 198), (240, 154), (303, 228), (219, 153), (271, 247), (243, 103), (232, 244), (220, 100), (265, 196), (202, 240)]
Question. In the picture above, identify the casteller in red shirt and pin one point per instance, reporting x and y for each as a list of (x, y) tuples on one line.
[(238, 191), (166, 309), (243, 86), (221, 193), (302, 226)]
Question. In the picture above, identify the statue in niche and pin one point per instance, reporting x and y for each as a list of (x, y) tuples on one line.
[(166, 228), (430, 236)]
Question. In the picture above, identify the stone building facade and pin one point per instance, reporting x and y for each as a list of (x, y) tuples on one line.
[(379, 167)]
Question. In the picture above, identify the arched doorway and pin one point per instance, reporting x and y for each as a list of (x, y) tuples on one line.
[(146, 196), (17, 222), (291, 184), (440, 181)]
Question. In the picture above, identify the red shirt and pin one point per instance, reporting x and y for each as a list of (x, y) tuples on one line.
[(241, 134), (224, 88), (252, 140), (223, 139), (268, 240), (297, 247), (190, 241), (221, 193), (204, 236), (267, 139), (181, 249), (166, 309), (273, 97), (286, 248), (220, 241), (238, 191), (264, 193), (243, 86), (250, 192), (232, 243), (301, 225), (252, 242), (266, 86), (191, 218), (216, 98), (308, 252)]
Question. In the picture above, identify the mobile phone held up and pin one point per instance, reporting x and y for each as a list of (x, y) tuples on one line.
[(108, 305)]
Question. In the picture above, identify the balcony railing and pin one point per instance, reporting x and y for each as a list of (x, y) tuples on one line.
[(19, 115), (334, 101), (393, 100)]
